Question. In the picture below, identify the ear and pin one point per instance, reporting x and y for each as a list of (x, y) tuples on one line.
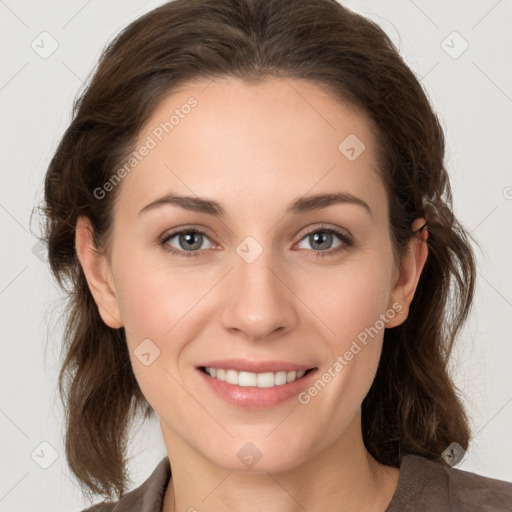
[(96, 268), (408, 276)]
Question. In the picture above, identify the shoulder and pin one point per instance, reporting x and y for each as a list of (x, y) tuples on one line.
[(429, 485), (148, 497)]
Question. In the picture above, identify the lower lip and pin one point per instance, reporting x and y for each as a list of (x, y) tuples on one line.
[(253, 397)]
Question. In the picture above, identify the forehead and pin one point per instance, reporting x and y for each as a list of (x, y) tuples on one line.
[(250, 142)]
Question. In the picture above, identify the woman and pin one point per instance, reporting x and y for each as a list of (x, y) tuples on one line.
[(251, 214)]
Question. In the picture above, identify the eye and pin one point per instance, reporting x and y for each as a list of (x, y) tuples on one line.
[(320, 240), (189, 242)]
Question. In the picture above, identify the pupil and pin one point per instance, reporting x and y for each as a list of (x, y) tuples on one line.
[(327, 236), (188, 237)]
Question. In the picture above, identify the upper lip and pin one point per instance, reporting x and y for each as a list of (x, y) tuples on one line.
[(244, 365)]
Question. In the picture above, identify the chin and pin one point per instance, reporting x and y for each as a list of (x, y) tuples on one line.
[(258, 454)]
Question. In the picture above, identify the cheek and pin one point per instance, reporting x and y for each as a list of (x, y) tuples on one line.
[(157, 309), (163, 304), (350, 307), (143, 301), (348, 299), (153, 296)]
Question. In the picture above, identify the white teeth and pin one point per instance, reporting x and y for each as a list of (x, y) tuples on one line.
[(231, 377), (247, 379), (291, 376), (260, 380)]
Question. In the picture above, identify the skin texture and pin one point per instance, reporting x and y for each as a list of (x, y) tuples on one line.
[(255, 148)]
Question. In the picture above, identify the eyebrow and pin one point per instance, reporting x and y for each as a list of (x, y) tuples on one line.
[(300, 205)]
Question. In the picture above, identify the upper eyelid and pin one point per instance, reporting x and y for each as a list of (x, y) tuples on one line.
[(336, 230)]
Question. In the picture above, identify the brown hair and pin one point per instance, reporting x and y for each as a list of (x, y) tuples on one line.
[(413, 405)]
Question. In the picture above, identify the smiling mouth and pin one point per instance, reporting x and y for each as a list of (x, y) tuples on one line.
[(259, 380)]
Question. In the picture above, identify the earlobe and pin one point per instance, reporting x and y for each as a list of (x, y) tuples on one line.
[(409, 275), (96, 268)]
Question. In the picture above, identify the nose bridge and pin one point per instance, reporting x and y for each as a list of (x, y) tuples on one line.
[(258, 303)]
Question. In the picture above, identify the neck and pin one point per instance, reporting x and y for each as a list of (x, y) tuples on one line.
[(343, 474)]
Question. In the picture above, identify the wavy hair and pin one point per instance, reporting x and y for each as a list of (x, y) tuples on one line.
[(412, 405)]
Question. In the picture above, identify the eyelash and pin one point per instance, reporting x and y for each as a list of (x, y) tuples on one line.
[(345, 239)]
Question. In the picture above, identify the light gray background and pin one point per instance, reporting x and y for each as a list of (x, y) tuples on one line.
[(473, 96)]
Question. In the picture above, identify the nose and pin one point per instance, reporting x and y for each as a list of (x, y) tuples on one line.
[(260, 300)]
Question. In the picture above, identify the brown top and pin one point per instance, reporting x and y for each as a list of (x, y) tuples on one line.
[(423, 486)]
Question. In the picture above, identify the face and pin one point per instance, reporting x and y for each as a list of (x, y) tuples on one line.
[(312, 285)]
